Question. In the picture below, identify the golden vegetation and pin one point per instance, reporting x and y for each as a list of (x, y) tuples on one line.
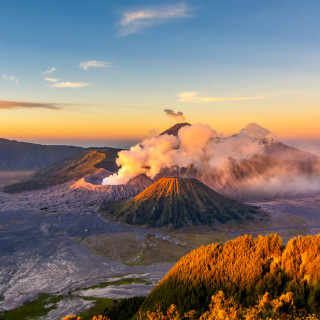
[(73, 317), (244, 268), (246, 279), (222, 308)]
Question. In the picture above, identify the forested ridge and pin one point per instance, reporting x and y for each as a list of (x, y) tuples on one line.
[(246, 278), (244, 268)]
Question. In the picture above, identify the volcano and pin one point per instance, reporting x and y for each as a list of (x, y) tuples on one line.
[(178, 202), (175, 129)]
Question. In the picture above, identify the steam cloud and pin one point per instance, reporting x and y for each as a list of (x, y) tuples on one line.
[(248, 164), (175, 115), (197, 145), (253, 130)]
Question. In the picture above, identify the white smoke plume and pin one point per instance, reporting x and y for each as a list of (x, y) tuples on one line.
[(248, 165), (197, 145), (253, 130)]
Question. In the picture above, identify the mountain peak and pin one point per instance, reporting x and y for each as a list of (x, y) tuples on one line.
[(175, 129)]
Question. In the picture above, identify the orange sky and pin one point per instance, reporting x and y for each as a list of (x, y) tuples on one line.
[(99, 123)]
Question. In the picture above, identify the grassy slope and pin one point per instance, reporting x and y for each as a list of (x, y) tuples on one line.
[(100, 305), (32, 309), (178, 202), (47, 302)]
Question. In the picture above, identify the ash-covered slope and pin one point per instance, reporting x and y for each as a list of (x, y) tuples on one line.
[(15, 155), (77, 196), (74, 167), (178, 202)]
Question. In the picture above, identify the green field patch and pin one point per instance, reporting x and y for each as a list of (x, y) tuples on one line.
[(100, 305), (30, 310)]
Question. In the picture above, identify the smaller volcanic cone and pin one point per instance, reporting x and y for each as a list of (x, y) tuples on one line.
[(178, 202)]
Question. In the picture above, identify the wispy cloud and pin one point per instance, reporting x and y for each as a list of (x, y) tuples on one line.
[(85, 65), (68, 84), (193, 96), (50, 70), (15, 104), (10, 78), (175, 115), (52, 79), (135, 20), (4, 104)]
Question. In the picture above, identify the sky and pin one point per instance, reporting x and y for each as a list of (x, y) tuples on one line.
[(104, 72)]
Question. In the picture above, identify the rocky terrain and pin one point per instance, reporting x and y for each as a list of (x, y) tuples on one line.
[(40, 253), (73, 196)]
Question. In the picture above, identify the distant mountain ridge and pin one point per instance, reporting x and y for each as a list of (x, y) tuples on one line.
[(178, 202), (281, 151), (15, 155), (74, 167)]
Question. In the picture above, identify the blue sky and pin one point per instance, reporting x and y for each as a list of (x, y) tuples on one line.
[(225, 63)]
